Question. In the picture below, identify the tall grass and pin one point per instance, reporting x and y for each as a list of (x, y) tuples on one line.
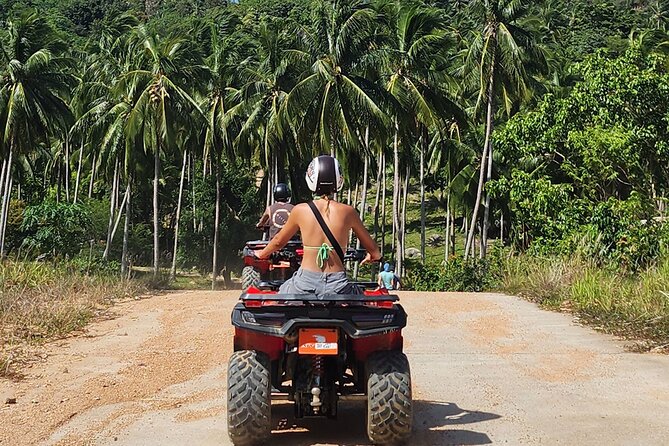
[(39, 301), (634, 306)]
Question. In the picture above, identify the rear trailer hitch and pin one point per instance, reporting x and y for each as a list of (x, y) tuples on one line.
[(317, 373)]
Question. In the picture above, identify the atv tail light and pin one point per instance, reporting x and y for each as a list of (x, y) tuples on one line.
[(253, 303), (299, 251), (254, 290), (377, 292), (249, 318), (380, 304)]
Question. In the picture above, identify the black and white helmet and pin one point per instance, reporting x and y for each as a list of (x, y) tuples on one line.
[(324, 175)]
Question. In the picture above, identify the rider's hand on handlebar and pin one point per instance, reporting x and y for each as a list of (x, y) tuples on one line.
[(368, 259), (258, 254)]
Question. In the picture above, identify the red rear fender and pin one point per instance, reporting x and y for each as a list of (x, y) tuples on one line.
[(363, 347), (272, 346)]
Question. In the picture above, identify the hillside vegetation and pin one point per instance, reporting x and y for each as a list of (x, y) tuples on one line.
[(472, 134)]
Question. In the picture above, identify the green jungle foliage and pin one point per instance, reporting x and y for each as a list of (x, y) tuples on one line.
[(108, 107), (585, 170)]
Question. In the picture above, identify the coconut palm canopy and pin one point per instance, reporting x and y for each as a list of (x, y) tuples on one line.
[(178, 120)]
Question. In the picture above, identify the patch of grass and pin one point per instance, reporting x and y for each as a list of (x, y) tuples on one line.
[(39, 301), (631, 306), (192, 282)]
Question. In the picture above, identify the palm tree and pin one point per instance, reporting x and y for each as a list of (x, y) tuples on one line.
[(103, 127), (415, 52), (498, 63), (216, 106), (159, 84), (33, 93), (331, 107), (267, 80)]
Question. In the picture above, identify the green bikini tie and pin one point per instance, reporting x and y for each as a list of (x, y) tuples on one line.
[(323, 253)]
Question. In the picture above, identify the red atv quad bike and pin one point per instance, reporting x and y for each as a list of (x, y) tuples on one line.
[(279, 267), (316, 349)]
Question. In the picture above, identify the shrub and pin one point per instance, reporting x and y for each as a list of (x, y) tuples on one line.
[(55, 229), (455, 275), (622, 233)]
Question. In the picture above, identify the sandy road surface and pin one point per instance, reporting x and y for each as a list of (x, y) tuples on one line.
[(487, 369)]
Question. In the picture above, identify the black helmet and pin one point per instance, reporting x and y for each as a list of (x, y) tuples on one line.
[(281, 193), (324, 175)]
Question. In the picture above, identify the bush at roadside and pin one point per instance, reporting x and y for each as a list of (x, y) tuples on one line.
[(39, 301), (455, 275), (635, 306)]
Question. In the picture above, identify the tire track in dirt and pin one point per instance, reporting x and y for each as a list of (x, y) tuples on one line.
[(169, 342)]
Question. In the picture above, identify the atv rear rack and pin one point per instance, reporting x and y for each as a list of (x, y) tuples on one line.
[(339, 298)]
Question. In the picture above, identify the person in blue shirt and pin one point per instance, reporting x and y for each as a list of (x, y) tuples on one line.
[(388, 279)]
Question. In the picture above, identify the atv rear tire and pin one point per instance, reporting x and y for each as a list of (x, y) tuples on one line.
[(389, 406), (249, 398), (250, 277)]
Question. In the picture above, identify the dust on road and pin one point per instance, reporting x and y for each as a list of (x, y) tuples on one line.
[(486, 369)]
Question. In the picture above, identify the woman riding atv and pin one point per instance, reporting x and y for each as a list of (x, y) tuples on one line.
[(322, 270)]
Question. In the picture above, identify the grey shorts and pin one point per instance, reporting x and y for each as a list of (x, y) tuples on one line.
[(311, 282)]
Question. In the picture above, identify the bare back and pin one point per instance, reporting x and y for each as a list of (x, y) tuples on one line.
[(337, 217), (340, 218)]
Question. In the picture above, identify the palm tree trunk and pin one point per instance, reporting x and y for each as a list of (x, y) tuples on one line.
[(217, 217), (6, 195), (447, 251), (465, 222), (173, 271), (397, 237), (484, 155), (90, 185), (276, 167), (67, 168), (126, 231), (486, 212), (363, 201), (192, 188), (2, 176), (76, 184), (423, 144), (383, 204), (112, 210), (403, 221), (377, 198), (452, 241), (59, 175), (156, 175), (353, 202), (501, 227), (120, 212)]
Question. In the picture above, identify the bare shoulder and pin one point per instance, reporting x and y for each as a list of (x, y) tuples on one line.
[(344, 208), (299, 207)]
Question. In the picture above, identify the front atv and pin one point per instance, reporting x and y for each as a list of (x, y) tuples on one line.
[(279, 267), (316, 350)]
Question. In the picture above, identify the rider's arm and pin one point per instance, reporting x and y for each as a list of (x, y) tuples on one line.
[(279, 241), (264, 219), (366, 240)]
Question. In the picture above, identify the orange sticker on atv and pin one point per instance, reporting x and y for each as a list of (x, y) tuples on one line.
[(317, 341)]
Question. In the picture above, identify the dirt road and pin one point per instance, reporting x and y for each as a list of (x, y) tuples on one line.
[(487, 369)]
